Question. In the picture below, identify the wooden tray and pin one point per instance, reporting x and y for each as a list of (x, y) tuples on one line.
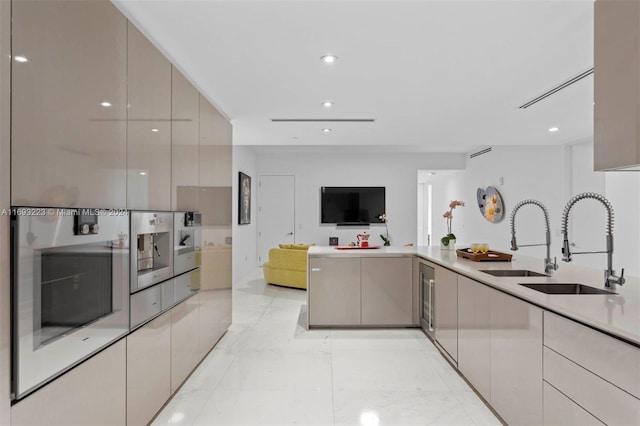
[(355, 247), (490, 256)]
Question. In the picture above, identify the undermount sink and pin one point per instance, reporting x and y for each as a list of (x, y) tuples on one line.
[(565, 288), (513, 273)]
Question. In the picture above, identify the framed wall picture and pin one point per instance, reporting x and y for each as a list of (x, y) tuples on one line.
[(244, 199)]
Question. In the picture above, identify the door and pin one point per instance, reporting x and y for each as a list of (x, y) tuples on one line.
[(276, 213)]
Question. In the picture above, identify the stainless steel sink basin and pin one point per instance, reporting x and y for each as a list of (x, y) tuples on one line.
[(565, 288), (513, 273)]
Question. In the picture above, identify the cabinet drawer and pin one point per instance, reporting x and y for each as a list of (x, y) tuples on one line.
[(561, 411), (609, 358), (603, 400), (145, 305)]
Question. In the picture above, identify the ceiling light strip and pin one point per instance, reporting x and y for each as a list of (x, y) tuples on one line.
[(559, 87), (323, 120)]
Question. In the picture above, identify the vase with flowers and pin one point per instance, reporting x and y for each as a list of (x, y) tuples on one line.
[(449, 240), (383, 218)]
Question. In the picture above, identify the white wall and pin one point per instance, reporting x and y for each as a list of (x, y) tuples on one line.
[(551, 175), (245, 251), (396, 172)]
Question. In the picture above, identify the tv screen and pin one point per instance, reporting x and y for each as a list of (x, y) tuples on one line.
[(351, 205)]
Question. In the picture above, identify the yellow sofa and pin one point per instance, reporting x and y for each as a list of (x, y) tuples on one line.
[(287, 266)]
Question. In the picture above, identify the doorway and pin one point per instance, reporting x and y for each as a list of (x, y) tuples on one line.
[(276, 213), (424, 197)]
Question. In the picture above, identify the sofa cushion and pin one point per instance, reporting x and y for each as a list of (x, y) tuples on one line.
[(288, 259)]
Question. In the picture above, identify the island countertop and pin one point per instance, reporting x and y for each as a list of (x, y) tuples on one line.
[(615, 314)]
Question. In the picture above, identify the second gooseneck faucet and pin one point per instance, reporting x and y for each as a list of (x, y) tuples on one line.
[(549, 266), (610, 278)]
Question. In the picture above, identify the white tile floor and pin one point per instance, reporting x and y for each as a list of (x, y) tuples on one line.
[(268, 370)]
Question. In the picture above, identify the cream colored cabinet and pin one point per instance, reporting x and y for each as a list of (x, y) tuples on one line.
[(446, 310), (598, 372), (93, 393), (148, 125), (616, 84), (68, 104), (334, 291), (184, 341), (516, 359), (474, 334), (214, 318), (386, 291), (561, 411), (185, 119), (148, 369)]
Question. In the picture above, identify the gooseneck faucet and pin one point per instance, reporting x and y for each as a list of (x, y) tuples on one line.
[(610, 278), (549, 266)]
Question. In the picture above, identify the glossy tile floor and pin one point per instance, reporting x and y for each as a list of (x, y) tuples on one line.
[(268, 370)]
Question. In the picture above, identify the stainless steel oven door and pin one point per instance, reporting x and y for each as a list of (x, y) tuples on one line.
[(70, 293)]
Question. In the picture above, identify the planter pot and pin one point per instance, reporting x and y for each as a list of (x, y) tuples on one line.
[(450, 247)]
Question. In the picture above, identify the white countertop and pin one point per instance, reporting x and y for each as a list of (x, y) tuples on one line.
[(616, 314)]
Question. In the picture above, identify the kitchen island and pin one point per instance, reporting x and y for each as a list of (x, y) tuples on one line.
[(535, 358)]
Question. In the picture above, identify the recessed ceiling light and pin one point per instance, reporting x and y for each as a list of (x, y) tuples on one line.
[(329, 59), (155, 130), (553, 129), (326, 130), (327, 104), (143, 173), (430, 174), (105, 104), (21, 58)]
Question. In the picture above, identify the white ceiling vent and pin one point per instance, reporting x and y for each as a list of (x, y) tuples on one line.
[(558, 88), (482, 151), (323, 120)]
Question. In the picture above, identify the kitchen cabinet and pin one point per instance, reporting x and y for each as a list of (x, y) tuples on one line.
[(386, 291), (148, 125), (94, 392), (474, 334), (68, 104), (214, 318), (184, 341), (616, 84), (500, 350), (516, 359), (585, 364), (561, 411), (185, 119), (334, 291), (148, 369), (446, 311)]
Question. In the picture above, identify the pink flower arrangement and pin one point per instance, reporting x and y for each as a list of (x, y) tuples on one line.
[(449, 216)]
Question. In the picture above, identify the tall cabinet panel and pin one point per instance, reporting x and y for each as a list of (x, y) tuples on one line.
[(446, 311), (185, 111), (215, 206), (148, 125), (68, 104), (474, 334), (516, 359)]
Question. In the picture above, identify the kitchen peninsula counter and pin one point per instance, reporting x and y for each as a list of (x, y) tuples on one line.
[(615, 314)]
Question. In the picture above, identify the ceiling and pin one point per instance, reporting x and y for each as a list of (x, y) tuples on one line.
[(437, 76)]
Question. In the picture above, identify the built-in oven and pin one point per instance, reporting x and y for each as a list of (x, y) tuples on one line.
[(187, 241), (70, 289), (427, 299), (152, 255)]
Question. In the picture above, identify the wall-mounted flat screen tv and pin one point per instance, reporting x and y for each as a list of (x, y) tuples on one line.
[(344, 205)]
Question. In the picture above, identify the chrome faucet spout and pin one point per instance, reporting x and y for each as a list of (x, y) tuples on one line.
[(549, 266), (610, 278)]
